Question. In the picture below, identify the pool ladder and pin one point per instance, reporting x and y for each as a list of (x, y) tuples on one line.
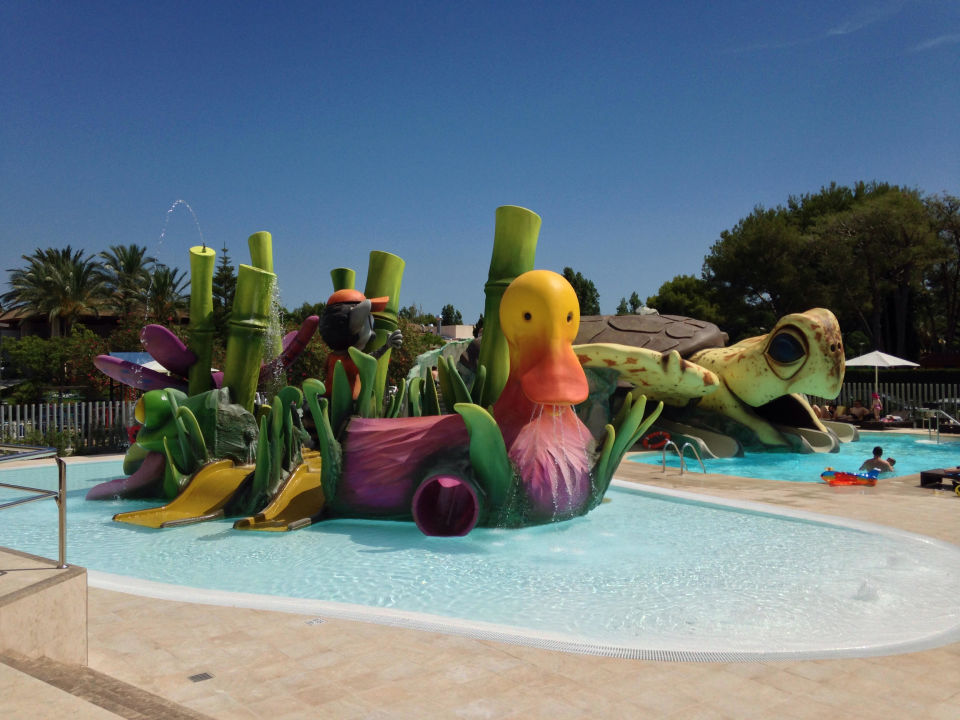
[(680, 452)]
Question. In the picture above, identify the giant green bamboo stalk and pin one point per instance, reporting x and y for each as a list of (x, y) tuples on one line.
[(384, 275), (514, 251), (343, 278), (200, 341), (261, 250), (248, 326), (261, 256)]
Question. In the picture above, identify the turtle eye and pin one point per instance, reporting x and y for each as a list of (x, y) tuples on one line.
[(569, 317), (785, 348), (527, 316)]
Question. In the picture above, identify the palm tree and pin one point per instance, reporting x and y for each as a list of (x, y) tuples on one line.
[(62, 284), (126, 270), (168, 296)]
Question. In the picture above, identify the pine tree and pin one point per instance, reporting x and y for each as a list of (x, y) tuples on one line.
[(224, 285)]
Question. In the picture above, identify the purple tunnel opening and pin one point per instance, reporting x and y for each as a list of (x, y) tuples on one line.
[(446, 506)]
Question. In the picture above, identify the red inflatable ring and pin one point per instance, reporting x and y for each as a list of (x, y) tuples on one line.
[(655, 440)]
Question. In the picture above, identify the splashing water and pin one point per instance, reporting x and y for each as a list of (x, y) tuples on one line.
[(276, 378), (159, 250), (553, 460), (166, 226)]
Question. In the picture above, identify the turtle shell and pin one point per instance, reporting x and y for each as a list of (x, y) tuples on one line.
[(654, 332)]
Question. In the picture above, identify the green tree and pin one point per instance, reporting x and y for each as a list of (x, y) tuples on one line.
[(634, 302), (622, 308), (415, 314), (586, 292), (449, 315), (126, 273), (168, 297), (688, 296), (224, 286), (295, 318), (55, 364), (761, 270), (62, 284), (886, 242), (940, 304)]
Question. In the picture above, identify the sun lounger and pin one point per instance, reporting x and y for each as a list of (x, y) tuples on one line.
[(940, 477)]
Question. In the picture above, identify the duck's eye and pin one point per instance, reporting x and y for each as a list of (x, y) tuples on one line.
[(569, 317), (785, 348), (527, 316)]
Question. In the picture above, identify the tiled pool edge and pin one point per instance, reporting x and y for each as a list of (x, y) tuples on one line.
[(545, 640)]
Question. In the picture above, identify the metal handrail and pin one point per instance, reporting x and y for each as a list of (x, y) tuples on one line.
[(680, 453), (934, 414), (663, 456), (695, 454), (60, 494)]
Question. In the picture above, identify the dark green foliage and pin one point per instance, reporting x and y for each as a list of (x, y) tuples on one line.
[(880, 256), (586, 292), (224, 287), (295, 318), (449, 315), (55, 365), (622, 308), (168, 298), (686, 295), (126, 270), (59, 284)]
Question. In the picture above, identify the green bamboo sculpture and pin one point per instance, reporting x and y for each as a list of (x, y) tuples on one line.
[(514, 250), (261, 256), (343, 278), (200, 341), (248, 326), (384, 275)]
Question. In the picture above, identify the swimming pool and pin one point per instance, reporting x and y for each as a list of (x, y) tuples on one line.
[(913, 453), (649, 574)]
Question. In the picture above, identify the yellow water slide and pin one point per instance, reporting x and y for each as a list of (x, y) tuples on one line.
[(202, 499), (296, 505)]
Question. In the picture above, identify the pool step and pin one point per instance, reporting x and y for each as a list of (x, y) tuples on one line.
[(89, 687)]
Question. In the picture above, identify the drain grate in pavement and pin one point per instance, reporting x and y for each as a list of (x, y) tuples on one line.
[(200, 677)]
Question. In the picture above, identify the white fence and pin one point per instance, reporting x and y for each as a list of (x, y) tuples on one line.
[(901, 398), (87, 425)]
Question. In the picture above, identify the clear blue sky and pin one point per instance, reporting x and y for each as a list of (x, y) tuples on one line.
[(637, 130)]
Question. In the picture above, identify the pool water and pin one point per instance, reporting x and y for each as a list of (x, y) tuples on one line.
[(647, 574), (913, 454)]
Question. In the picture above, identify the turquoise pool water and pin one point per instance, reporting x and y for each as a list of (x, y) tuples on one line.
[(913, 454), (647, 574)]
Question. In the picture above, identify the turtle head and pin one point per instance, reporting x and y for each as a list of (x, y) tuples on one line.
[(540, 316), (803, 353)]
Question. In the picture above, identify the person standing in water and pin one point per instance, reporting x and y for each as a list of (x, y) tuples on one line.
[(877, 462)]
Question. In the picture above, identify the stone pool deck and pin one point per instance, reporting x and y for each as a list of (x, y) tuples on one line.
[(281, 666)]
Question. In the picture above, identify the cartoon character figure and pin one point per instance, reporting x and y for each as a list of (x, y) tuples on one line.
[(348, 321)]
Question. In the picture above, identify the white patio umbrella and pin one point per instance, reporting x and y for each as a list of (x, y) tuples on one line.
[(877, 360)]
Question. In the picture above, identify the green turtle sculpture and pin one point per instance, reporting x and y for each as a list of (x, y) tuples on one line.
[(757, 402)]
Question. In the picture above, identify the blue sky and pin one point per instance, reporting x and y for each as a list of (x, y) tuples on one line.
[(638, 131)]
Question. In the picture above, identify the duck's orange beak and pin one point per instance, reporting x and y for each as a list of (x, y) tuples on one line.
[(540, 316), (556, 377)]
